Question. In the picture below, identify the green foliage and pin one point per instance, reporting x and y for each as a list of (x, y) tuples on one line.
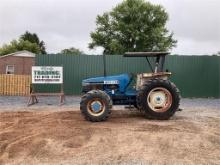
[(218, 53), (33, 38), (28, 41), (72, 51), (19, 46), (133, 25)]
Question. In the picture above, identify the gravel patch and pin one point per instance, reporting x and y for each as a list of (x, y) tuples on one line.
[(200, 103), (43, 100), (13, 103)]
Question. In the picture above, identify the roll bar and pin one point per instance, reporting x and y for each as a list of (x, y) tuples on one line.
[(145, 54), (159, 62)]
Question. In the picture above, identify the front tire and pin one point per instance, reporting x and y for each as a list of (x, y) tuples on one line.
[(159, 99), (95, 106)]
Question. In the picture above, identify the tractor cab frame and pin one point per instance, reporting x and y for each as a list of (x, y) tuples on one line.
[(157, 69), (159, 61)]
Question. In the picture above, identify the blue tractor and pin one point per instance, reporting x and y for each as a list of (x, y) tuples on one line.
[(153, 93)]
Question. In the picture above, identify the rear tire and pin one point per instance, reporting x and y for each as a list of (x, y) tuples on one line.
[(95, 106), (159, 99)]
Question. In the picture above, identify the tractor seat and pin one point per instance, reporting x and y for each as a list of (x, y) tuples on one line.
[(146, 75)]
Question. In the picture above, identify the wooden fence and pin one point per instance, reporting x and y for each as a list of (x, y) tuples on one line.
[(15, 85)]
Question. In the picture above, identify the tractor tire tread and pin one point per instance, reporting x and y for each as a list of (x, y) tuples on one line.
[(142, 98), (90, 95)]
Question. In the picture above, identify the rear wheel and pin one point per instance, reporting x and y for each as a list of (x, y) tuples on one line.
[(95, 106), (159, 99)]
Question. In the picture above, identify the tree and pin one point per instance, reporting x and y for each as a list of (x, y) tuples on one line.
[(33, 38), (216, 54), (72, 51), (19, 45), (133, 25)]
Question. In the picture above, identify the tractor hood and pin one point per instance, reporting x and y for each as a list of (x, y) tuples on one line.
[(122, 80)]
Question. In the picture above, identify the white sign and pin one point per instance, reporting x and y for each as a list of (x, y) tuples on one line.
[(47, 75)]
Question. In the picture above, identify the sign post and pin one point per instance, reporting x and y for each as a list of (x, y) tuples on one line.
[(46, 75)]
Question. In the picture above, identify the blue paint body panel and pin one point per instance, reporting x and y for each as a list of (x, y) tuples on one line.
[(121, 94), (123, 79), (131, 92)]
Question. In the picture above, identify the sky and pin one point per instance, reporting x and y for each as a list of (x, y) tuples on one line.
[(68, 23)]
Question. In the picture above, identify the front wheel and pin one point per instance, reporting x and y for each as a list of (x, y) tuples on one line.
[(159, 99), (95, 106)]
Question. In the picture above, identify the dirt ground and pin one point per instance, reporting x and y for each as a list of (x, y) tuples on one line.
[(48, 136)]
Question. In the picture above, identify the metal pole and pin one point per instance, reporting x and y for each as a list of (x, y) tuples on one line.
[(104, 63), (162, 60), (157, 64), (151, 68)]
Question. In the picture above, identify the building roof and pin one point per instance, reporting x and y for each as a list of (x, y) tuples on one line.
[(23, 53)]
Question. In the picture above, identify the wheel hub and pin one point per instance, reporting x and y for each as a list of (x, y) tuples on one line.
[(96, 106), (159, 99)]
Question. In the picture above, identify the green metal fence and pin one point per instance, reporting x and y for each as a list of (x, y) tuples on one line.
[(195, 76)]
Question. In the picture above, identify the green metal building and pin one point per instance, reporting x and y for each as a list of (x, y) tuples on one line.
[(195, 76)]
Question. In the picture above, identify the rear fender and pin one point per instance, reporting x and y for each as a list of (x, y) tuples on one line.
[(144, 77)]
